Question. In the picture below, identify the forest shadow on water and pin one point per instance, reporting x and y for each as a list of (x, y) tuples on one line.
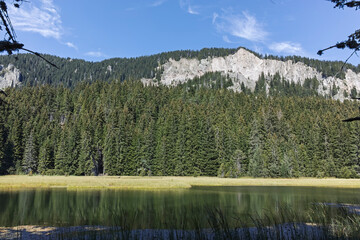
[(319, 222), (199, 213)]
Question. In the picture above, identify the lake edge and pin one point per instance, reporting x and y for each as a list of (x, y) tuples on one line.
[(157, 183)]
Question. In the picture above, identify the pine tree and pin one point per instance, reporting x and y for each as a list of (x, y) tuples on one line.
[(239, 163), (87, 165), (46, 157), (61, 155), (17, 144), (256, 162), (111, 152), (30, 160), (3, 156), (354, 157)]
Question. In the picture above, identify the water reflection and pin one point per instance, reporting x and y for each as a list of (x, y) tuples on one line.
[(155, 209)]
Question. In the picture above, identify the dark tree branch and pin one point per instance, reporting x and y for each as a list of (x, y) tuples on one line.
[(10, 45), (347, 3), (38, 54), (353, 41), (352, 119)]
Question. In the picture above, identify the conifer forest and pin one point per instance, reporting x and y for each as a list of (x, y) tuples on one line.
[(199, 128)]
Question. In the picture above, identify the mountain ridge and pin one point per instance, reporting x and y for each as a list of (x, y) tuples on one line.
[(241, 65), (245, 67)]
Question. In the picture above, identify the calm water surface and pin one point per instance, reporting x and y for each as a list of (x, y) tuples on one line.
[(156, 209)]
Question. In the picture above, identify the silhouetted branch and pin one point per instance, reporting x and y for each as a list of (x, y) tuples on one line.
[(347, 3), (352, 119), (38, 54), (353, 41), (9, 45)]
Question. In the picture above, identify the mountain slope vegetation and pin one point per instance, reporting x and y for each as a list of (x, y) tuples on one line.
[(125, 128)]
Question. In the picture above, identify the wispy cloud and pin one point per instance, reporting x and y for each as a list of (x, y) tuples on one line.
[(226, 39), (39, 16), (158, 3), (191, 9), (95, 54), (286, 47), (215, 16), (71, 45), (243, 26)]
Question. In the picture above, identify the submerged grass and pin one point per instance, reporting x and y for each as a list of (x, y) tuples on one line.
[(320, 222), (156, 183)]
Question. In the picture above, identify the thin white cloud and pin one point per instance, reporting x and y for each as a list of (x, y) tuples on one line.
[(38, 16), (95, 54), (71, 45), (226, 39), (158, 3), (286, 47), (191, 9), (242, 26), (215, 16)]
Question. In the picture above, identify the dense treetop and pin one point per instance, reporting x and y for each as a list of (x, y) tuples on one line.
[(124, 128)]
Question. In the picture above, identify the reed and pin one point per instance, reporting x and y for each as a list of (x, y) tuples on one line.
[(321, 221)]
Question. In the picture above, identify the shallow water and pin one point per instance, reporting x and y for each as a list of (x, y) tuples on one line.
[(173, 209)]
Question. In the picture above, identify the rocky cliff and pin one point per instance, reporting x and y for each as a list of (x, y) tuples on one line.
[(10, 76), (245, 67)]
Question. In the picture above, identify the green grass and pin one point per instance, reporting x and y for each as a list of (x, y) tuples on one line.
[(127, 182)]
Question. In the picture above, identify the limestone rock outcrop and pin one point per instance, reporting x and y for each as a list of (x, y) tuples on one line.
[(245, 67), (10, 76)]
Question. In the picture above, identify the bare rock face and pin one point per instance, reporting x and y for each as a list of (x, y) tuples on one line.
[(245, 67), (9, 76)]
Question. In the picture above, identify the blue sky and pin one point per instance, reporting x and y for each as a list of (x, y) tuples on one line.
[(96, 30)]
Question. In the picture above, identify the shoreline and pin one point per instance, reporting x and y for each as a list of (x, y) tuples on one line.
[(8, 182)]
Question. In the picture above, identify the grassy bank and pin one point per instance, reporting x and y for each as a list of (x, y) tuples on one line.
[(82, 182)]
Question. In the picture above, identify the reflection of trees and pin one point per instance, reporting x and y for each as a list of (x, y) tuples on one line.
[(154, 209)]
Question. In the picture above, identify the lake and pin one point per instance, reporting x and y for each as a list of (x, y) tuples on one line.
[(157, 209)]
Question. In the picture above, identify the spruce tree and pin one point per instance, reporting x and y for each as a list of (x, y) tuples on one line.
[(46, 157), (30, 160), (3, 156), (111, 154)]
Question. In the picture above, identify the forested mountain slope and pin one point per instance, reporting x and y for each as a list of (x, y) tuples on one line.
[(214, 112), (125, 128)]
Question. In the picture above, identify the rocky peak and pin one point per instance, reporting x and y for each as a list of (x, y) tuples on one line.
[(245, 67), (10, 76)]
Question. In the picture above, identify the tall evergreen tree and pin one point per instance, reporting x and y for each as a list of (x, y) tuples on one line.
[(46, 157), (30, 160)]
